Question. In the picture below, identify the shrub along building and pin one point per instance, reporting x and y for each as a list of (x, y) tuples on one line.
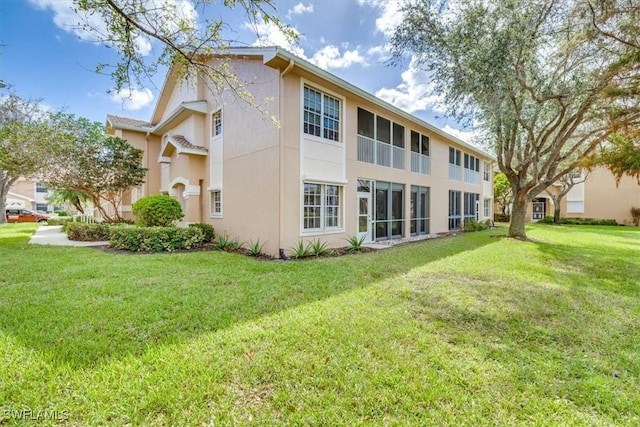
[(339, 163)]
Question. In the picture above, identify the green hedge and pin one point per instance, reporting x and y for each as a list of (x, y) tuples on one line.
[(579, 221), (87, 232), (155, 239), (474, 225), (61, 220), (501, 218), (207, 230)]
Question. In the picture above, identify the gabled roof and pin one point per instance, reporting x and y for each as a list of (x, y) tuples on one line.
[(127, 123), (183, 110), (182, 146)]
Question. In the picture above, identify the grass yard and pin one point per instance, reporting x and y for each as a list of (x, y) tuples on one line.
[(469, 330)]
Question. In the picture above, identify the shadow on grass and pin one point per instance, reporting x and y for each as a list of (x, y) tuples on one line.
[(81, 307)]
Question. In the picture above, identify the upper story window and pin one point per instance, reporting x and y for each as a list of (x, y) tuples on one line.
[(321, 115), (455, 171), (420, 161), (380, 141), (471, 162), (216, 123), (41, 188), (471, 169), (419, 143), (454, 156), (487, 171)]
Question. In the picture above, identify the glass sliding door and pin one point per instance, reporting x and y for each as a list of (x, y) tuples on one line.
[(397, 210), (419, 210), (382, 210), (389, 213), (454, 209)]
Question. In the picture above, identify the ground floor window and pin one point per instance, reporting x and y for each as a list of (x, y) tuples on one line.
[(389, 212), (41, 207), (419, 210), (471, 201), (454, 209), (216, 203), (487, 208), (321, 207)]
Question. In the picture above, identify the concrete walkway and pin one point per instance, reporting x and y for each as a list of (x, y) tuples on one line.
[(53, 235)]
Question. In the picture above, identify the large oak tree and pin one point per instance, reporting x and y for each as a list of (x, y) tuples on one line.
[(545, 81)]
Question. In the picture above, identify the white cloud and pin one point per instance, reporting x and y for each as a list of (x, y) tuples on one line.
[(390, 16), (466, 136), (299, 9), (415, 93), (91, 27), (270, 35), (380, 53), (330, 57), (132, 99)]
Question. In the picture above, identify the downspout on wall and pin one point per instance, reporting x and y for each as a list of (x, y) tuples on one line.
[(281, 159)]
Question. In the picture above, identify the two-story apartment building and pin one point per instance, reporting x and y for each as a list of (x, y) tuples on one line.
[(322, 160), (29, 194)]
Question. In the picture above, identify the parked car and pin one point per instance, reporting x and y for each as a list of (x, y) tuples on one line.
[(25, 215)]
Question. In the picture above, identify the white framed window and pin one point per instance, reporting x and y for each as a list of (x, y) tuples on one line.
[(321, 208), (41, 188), (487, 172), (321, 115), (471, 169), (576, 207), (380, 141), (216, 203), (216, 123), (487, 208), (455, 171)]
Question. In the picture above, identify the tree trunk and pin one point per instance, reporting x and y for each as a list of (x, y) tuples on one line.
[(518, 216), (556, 209), (5, 183)]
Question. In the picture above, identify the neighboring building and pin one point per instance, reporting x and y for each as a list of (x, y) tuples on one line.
[(29, 194), (339, 163), (596, 197)]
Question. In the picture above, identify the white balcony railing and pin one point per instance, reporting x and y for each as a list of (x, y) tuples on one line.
[(471, 177), (420, 163), (455, 172), (380, 153)]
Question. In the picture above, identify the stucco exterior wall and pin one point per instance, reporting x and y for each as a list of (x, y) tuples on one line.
[(604, 200), (250, 158)]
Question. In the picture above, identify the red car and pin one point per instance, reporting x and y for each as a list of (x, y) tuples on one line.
[(25, 215)]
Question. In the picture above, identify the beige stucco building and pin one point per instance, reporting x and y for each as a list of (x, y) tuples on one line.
[(322, 159), (597, 196), (29, 194)]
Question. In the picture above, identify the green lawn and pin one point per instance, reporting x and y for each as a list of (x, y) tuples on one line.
[(469, 330)]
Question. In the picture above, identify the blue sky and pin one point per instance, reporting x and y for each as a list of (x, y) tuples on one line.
[(43, 55)]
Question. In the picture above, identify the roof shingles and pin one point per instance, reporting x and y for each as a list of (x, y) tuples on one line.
[(183, 142), (118, 121)]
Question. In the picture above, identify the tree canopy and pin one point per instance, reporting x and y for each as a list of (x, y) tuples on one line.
[(188, 33), (545, 81), (22, 135), (82, 158)]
